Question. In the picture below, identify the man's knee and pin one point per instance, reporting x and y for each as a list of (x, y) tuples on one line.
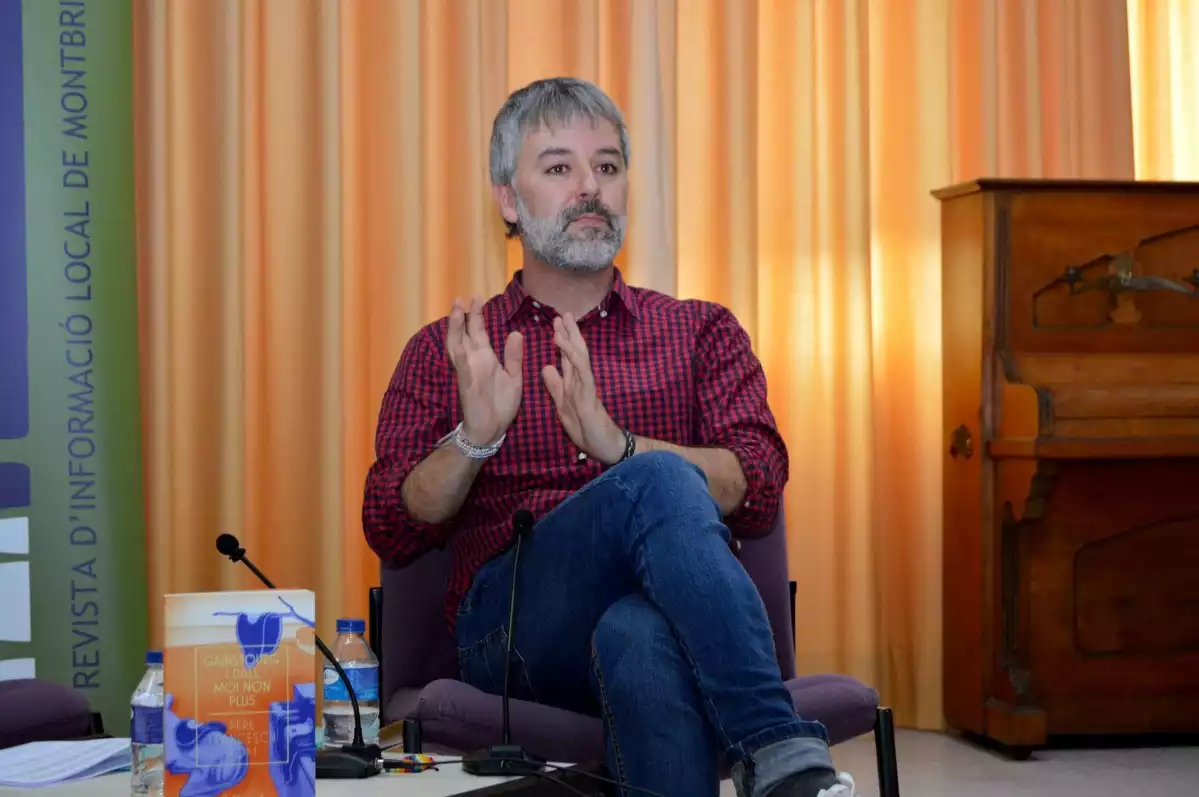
[(632, 642)]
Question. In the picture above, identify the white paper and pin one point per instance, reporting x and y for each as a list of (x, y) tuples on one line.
[(46, 763), (17, 669), (16, 618), (14, 536)]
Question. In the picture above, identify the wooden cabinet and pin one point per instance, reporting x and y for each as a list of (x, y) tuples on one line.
[(1071, 478)]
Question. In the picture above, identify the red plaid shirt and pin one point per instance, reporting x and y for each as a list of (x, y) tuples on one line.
[(678, 371)]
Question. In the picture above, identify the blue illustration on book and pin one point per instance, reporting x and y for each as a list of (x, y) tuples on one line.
[(293, 743), (260, 634), (213, 760)]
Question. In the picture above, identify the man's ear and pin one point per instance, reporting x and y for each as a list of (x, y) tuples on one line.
[(505, 197)]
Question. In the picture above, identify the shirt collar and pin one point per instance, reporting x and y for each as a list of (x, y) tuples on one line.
[(515, 297)]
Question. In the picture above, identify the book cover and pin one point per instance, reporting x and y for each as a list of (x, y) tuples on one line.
[(240, 694)]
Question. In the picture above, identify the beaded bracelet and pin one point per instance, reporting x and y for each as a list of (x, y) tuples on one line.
[(469, 449), (630, 446)]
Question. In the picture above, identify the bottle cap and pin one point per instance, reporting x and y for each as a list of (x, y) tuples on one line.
[(351, 625), (153, 657)]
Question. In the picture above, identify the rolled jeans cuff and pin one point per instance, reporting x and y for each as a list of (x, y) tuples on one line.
[(774, 761)]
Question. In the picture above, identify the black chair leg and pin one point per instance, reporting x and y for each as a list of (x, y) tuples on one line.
[(374, 623), (884, 749)]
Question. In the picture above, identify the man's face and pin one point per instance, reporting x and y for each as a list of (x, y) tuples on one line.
[(570, 197)]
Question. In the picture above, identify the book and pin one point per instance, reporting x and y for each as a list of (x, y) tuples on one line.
[(239, 715)]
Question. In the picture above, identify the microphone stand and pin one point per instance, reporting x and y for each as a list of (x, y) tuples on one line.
[(351, 761), (507, 758)]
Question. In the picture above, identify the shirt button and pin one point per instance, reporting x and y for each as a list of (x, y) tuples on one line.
[(537, 305), (582, 456), (603, 313), (747, 504)]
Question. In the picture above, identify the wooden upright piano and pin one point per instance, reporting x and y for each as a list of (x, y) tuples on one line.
[(1071, 479)]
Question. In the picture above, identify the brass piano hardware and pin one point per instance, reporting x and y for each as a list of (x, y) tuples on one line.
[(1126, 280), (962, 443), (1122, 278), (1121, 281)]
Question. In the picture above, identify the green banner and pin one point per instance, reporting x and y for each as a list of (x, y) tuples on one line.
[(72, 529)]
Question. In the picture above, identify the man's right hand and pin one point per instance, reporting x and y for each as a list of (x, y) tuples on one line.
[(490, 392)]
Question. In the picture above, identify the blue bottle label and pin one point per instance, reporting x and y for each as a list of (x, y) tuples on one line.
[(365, 681), (145, 725)]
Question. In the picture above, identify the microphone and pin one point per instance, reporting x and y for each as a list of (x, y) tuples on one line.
[(507, 758), (355, 760)]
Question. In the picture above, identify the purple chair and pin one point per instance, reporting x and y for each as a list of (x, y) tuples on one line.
[(419, 673), (37, 710)]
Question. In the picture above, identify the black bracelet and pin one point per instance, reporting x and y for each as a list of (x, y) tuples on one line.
[(630, 446)]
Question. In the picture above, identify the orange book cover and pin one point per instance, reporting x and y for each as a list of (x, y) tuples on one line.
[(240, 694)]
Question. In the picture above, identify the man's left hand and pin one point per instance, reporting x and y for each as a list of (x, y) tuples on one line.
[(583, 416)]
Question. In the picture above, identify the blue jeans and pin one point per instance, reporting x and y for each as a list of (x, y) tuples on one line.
[(632, 607)]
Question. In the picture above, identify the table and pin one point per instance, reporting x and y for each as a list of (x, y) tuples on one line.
[(443, 782)]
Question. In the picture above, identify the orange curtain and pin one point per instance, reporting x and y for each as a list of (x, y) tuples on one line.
[(312, 187), (1164, 47)]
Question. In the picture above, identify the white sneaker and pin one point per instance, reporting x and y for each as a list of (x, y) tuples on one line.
[(844, 787)]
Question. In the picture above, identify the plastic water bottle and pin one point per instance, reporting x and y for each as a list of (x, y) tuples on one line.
[(362, 668), (145, 732)]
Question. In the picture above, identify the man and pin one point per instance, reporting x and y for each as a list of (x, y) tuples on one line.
[(635, 428)]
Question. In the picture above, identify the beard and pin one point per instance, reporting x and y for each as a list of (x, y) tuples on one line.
[(586, 249)]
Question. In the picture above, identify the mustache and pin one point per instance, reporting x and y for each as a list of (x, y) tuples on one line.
[(590, 207)]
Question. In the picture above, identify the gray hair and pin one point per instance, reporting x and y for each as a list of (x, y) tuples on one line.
[(559, 100)]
